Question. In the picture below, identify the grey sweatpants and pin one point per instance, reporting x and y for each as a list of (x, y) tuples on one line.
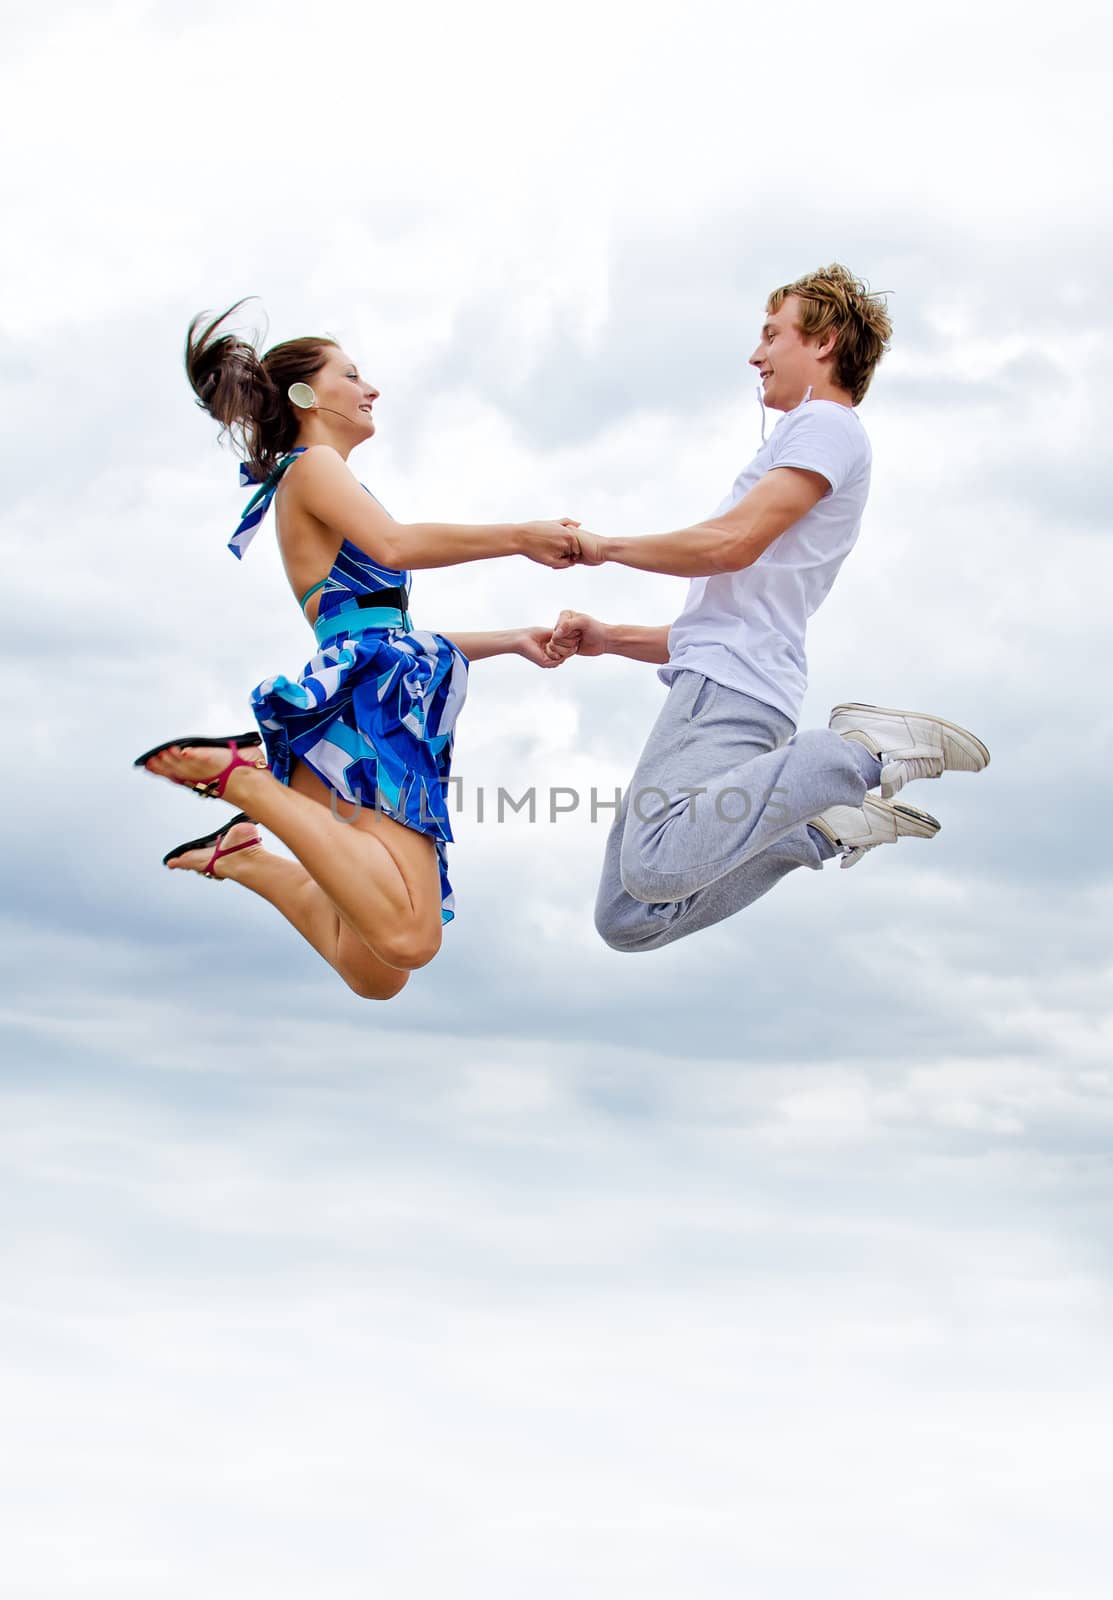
[(717, 812)]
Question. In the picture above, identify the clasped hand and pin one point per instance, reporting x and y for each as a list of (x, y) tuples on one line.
[(563, 543), (575, 634)]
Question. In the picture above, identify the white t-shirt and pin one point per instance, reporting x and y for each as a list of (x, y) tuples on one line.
[(746, 629)]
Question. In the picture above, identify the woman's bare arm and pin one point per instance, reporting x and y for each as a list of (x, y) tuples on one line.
[(535, 644), (324, 487)]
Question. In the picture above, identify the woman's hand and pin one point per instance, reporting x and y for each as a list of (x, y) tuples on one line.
[(538, 646), (577, 634), (553, 544)]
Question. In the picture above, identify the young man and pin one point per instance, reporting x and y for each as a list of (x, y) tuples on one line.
[(727, 798)]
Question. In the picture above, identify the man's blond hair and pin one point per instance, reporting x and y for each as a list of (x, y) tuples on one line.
[(833, 297)]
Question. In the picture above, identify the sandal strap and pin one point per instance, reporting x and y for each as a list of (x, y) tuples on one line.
[(214, 789), (218, 853)]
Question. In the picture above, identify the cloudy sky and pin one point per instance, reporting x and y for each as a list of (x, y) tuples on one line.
[(770, 1264)]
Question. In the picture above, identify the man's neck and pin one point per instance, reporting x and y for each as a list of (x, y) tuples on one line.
[(826, 391)]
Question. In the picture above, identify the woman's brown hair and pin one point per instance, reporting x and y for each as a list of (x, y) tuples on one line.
[(247, 394)]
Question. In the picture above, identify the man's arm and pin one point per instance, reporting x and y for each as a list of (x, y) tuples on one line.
[(726, 543), (638, 644)]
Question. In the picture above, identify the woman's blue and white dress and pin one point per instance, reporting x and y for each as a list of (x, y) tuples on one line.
[(373, 713)]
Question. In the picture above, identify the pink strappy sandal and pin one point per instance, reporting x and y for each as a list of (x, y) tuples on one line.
[(212, 788), (213, 839)]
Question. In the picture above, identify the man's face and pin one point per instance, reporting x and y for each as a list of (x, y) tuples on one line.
[(786, 363)]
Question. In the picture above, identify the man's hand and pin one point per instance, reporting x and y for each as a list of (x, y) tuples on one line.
[(553, 544), (539, 646), (577, 634), (592, 549)]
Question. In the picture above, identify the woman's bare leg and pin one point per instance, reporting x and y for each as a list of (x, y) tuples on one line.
[(382, 879), (290, 889)]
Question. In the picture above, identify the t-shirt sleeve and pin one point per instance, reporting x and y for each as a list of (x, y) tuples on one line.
[(820, 440)]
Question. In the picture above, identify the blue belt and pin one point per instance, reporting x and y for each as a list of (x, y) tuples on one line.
[(352, 620)]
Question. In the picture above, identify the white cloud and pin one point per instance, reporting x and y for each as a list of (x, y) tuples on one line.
[(309, 1328)]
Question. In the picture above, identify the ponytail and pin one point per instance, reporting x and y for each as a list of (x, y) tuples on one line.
[(246, 395)]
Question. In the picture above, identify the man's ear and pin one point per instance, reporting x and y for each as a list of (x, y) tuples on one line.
[(825, 345)]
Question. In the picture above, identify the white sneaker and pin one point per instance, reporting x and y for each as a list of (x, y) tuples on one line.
[(855, 831), (909, 744)]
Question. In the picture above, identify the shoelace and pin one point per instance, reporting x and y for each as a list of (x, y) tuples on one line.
[(854, 853), (921, 760)]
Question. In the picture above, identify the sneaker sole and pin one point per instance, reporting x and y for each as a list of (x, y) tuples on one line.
[(891, 711), (916, 815), (928, 825)]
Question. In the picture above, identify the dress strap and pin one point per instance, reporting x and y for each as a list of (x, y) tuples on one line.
[(309, 593), (259, 504)]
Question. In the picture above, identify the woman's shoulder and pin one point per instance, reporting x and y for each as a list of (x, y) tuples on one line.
[(316, 461), (317, 469)]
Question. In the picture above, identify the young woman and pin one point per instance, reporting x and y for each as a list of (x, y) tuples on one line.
[(370, 721)]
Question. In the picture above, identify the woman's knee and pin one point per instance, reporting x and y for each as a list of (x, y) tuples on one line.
[(409, 947), (377, 986)]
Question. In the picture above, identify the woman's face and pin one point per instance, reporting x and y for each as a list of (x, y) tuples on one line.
[(342, 393)]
